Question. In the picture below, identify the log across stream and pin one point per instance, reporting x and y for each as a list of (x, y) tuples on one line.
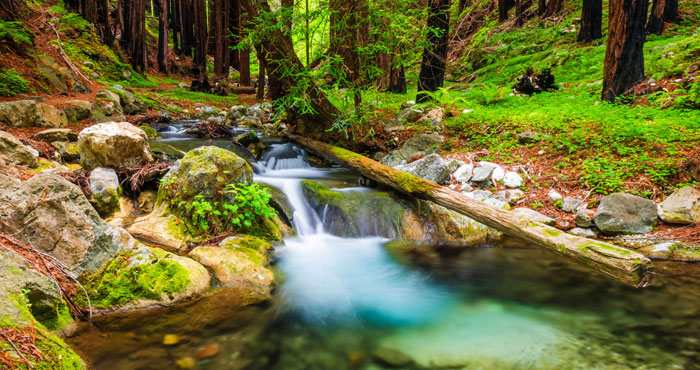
[(618, 263)]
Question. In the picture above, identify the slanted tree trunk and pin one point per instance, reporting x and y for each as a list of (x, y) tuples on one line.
[(591, 21), (162, 7), (623, 265), (432, 69), (662, 11), (624, 55), (285, 71)]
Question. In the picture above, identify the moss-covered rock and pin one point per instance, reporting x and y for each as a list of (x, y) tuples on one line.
[(145, 276), (432, 223), (150, 131), (70, 152), (105, 191), (241, 262)]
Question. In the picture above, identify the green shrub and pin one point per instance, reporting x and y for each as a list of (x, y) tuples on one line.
[(15, 32), (12, 83)]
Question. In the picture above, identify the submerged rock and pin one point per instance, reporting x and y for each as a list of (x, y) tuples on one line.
[(144, 276), (239, 261), (681, 207), (621, 213), (15, 152), (53, 215), (115, 145), (393, 358), (431, 167)]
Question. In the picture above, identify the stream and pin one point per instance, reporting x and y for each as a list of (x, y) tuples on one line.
[(350, 303)]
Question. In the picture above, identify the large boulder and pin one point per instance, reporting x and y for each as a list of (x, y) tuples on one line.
[(239, 261), (622, 213), (115, 145), (15, 152), (681, 207), (104, 191), (77, 110), (49, 116), (143, 276), (205, 171), (431, 167), (54, 215), (423, 143)]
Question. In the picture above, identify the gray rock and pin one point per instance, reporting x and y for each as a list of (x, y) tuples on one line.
[(586, 233), (393, 125), (15, 152), (464, 173), (64, 224), (584, 217), (70, 152), (147, 201), (130, 103), (431, 167), (569, 204), (534, 216), (435, 117), (77, 110), (183, 85), (49, 116), (554, 196), (511, 196), (483, 171), (681, 207), (115, 145), (392, 357), (528, 137), (17, 277), (621, 213), (481, 194), (423, 143), (410, 115), (207, 112), (454, 165), (107, 107), (495, 202), (512, 180), (29, 113), (56, 134), (104, 191), (497, 174)]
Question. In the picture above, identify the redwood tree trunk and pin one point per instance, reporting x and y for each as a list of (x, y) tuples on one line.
[(662, 11), (243, 54), (591, 21), (219, 17), (133, 38), (200, 47), (162, 6), (624, 55), (261, 73), (432, 69), (541, 7), (553, 7)]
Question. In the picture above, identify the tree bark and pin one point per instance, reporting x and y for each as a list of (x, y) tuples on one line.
[(133, 38), (162, 7), (624, 55), (200, 47), (553, 7), (502, 11), (243, 54), (285, 71), (591, 21), (432, 69), (662, 11), (541, 7), (261, 73), (220, 40), (623, 265)]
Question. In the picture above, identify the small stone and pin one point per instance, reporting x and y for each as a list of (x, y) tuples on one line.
[(586, 233), (534, 216), (511, 196), (464, 173), (410, 115), (393, 125), (512, 180), (584, 217), (528, 137), (466, 188), (663, 247), (554, 196), (497, 203), (454, 165), (483, 172), (209, 351), (497, 174), (569, 204), (430, 167), (171, 339), (392, 357), (186, 363)]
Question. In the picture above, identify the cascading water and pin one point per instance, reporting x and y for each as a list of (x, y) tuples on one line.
[(329, 279)]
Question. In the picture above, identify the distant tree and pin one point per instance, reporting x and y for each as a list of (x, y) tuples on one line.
[(200, 46), (624, 55), (133, 38), (591, 21), (662, 11), (162, 8), (244, 52), (432, 70), (553, 7)]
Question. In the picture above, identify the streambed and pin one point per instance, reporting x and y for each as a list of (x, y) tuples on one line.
[(352, 303)]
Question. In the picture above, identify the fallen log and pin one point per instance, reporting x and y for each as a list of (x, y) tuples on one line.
[(243, 90), (623, 265)]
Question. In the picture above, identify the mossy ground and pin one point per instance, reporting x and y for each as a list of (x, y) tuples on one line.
[(56, 354), (122, 281)]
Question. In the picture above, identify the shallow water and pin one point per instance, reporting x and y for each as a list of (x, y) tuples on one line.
[(340, 300)]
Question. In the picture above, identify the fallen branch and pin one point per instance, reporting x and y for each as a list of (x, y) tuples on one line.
[(623, 265)]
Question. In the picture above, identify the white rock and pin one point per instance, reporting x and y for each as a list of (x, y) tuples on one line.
[(497, 174), (586, 233), (554, 195), (464, 173), (512, 180)]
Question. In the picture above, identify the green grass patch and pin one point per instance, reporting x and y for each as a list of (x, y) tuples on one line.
[(12, 83)]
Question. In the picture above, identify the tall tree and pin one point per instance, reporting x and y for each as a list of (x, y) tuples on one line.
[(662, 11), (503, 7), (162, 8), (591, 21), (553, 7), (220, 38), (200, 47), (243, 53), (133, 39), (432, 69), (624, 55)]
